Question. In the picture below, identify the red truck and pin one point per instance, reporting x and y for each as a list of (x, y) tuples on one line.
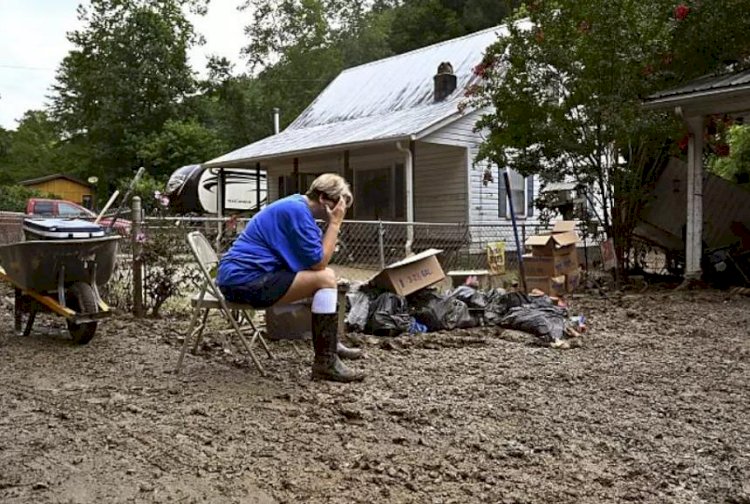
[(63, 209)]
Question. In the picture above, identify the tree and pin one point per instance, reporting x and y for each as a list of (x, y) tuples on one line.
[(126, 76), (179, 143), (563, 94), (735, 166), (33, 149)]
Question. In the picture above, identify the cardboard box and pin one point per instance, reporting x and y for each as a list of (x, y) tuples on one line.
[(413, 273), (564, 226), (549, 266), (294, 320), (547, 245), (552, 286), (289, 321)]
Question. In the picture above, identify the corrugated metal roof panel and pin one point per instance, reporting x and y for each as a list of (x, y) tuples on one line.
[(706, 83), (663, 218), (395, 125), (388, 98)]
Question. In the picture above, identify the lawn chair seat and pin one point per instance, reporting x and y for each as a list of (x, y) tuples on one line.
[(210, 298)]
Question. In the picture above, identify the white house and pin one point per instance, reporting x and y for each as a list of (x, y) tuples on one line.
[(394, 129)]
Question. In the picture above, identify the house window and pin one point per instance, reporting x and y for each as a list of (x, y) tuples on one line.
[(522, 192), (379, 193)]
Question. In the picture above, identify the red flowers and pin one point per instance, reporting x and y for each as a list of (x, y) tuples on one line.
[(480, 69), (682, 144), (681, 12), (721, 150)]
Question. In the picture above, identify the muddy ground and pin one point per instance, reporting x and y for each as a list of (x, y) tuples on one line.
[(653, 407)]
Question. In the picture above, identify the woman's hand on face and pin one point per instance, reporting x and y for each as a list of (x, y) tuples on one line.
[(336, 214)]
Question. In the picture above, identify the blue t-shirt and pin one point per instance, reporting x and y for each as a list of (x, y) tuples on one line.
[(282, 236)]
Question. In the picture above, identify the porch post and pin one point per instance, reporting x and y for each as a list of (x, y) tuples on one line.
[(409, 181), (694, 231)]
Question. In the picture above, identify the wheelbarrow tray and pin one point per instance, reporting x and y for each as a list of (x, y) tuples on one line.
[(36, 265)]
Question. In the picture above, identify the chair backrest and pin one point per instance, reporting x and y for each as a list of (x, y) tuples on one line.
[(206, 257), (202, 250)]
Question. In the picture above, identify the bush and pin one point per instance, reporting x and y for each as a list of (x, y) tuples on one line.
[(13, 197), (169, 269)]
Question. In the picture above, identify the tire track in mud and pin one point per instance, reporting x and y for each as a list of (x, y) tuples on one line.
[(161, 451)]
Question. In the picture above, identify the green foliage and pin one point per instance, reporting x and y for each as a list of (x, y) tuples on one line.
[(146, 188), (563, 94), (126, 76), (13, 197), (166, 273), (736, 165), (35, 149), (179, 143)]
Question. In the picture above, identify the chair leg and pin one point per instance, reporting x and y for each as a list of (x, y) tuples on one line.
[(244, 341), (199, 335), (257, 334), (296, 348), (249, 349), (188, 335)]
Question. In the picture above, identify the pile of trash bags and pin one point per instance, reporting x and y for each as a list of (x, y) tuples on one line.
[(382, 313)]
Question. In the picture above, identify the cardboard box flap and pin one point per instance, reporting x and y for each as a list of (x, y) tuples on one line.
[(538, 240), (565, 239), (410, 274), (564, 226), (412, 259), (559, 239)]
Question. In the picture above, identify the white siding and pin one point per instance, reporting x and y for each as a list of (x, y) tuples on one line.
[(440, 183), (485, 198), (459, 132)]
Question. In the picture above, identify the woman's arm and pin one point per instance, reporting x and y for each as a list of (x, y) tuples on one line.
[(335, 218)]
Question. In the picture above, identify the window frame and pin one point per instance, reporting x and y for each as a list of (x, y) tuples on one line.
[(357, 184), (524, 213)]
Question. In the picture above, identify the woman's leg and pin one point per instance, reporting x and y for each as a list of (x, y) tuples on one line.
[(321, 286), (307, 283)]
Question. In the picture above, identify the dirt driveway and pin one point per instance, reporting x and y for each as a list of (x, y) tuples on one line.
[(653, 407)]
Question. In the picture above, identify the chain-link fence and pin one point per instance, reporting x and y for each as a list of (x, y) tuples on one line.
[(363, 248), (11, 227)]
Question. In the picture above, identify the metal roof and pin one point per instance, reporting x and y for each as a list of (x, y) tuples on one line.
[(704, 86), (54, 176), (391, 98)]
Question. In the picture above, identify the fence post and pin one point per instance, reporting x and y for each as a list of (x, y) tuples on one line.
[(137, 246), (381, 245)]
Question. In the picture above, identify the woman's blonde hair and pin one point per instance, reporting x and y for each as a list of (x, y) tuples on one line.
[(332, 187)]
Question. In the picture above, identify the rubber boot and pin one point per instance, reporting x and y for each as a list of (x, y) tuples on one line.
[(327, 365), (348, 353)]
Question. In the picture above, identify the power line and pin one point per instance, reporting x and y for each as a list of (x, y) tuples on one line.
[(21, 67)]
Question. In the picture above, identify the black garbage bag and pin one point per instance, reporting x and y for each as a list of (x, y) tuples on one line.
[(358, 310), (389, 315), (472, 297), (501, 304), (544, 322), (445, 313), (494, 294)]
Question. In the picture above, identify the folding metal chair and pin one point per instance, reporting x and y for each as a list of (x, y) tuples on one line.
[(211, 298)]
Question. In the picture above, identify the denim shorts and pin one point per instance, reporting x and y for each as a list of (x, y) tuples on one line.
[(262, 292)]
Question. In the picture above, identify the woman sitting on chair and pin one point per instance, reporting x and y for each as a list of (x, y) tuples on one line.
[(282, 256)]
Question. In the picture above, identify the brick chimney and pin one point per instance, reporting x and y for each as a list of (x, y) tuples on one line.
[(445, 81)]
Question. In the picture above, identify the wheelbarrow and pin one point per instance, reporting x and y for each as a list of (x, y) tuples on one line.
[(60, 276)]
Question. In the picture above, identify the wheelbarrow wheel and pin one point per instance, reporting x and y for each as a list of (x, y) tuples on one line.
[(81, 299)]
